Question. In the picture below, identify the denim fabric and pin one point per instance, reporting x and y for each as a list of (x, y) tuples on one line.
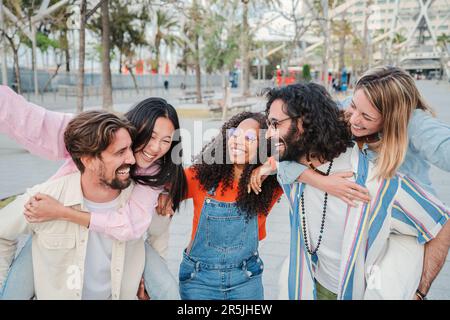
[(223, 263), (159, 282), (19, 284)]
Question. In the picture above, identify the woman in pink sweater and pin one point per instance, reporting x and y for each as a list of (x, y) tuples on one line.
[(41, 132)]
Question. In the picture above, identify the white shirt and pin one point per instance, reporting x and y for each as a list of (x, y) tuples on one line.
[(97, 274), (329, 253)]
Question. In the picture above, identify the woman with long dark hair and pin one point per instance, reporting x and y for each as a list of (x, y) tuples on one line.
[(156, 122)]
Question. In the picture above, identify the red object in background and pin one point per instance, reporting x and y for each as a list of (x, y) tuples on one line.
[(140, 67), (278, 77), (290, 79), (166, 71), (285, 80)]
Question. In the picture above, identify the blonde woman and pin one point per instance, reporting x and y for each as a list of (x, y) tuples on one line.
[(395, 127)]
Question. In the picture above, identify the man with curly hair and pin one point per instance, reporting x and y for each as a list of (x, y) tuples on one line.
[(372, 250)]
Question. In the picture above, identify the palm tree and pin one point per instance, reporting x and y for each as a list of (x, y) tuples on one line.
[(165, 26), (342, 29)]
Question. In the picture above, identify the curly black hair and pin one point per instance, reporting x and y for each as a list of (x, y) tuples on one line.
[(213, 166), (325, 132)]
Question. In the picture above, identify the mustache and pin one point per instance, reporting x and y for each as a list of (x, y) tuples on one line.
[(122, 167)]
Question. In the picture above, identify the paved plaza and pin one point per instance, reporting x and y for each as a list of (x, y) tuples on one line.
[(19, 169)]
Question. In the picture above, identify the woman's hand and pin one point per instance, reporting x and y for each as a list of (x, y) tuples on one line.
[(165, 205), (258, 176), (42, 208), (338, 185)]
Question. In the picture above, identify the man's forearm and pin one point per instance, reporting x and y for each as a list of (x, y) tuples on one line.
[(434, 258)]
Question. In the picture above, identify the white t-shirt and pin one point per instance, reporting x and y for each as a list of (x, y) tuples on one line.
[(97, 266), (329, 253)]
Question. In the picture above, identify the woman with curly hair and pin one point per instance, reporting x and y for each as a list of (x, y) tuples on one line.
[(222, 262)]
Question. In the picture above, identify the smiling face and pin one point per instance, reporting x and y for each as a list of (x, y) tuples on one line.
[(280, 130), (243, 142), (113, 165), (365, 119), (158, 145)]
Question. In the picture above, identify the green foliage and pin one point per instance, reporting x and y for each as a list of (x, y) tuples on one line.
[(43, 42), (127, 26), (443, 39), (5, 202), (221, 46), (306, 72), (398, 38)]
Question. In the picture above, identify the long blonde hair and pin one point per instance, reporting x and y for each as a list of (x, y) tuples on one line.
[(393, 93)]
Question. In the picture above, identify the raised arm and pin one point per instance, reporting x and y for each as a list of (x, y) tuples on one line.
[(289, 172), (430, 138), (127, 223), (38, 130)]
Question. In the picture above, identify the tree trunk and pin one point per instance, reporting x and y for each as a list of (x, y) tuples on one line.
[(365, 49), (17, 69), (130, 70), (51, 78), (106, 64), (81, 57), (245, 51), (33, 58), (66, 49), (120, 61), (16, 62), (157, 45), (226, 95), (326, 34), (198, 75)]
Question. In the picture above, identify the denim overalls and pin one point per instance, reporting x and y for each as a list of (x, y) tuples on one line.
[(223, 263)]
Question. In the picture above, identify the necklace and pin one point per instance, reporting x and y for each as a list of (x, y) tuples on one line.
[(319, 241), (374, 137)]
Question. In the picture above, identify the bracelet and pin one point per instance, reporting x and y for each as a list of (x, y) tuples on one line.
[(420, 295)]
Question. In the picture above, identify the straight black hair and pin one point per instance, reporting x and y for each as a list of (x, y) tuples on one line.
[(171, 174)]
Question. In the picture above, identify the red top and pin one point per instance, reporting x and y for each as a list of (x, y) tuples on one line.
[(198, 194)]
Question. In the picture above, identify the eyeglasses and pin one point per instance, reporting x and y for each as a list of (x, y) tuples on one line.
[(235, 132), (275, 123)]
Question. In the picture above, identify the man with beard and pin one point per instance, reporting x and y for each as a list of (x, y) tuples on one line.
[(69, 260), (373, 250)]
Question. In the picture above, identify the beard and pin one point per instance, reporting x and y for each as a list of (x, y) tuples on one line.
[(293, 145), (116, 183)]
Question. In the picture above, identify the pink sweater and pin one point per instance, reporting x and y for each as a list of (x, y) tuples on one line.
[(41, 132)]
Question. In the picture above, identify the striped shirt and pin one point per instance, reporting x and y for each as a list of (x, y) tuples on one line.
[(398, 207)]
